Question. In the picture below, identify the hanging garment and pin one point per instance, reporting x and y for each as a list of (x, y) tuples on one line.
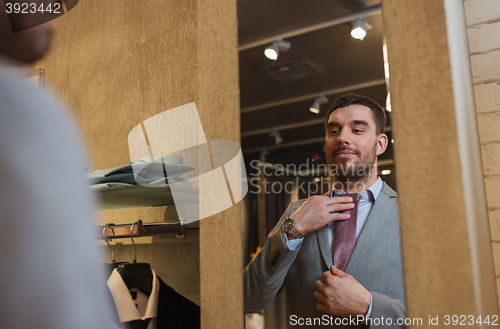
[(163, 309)]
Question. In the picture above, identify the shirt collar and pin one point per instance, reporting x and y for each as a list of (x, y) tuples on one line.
[(374, 191), (125, 306), (376, 187)]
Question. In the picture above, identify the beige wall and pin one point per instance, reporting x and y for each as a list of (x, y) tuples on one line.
[(118, 63), (447, 257), (483, 29), (218, 103)]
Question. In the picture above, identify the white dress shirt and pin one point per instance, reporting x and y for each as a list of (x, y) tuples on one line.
[(141, 308)]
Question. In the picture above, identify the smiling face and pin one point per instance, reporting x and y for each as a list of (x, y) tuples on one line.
[(352, 144)]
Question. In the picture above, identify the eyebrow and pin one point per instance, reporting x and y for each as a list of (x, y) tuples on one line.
[(355, 122)]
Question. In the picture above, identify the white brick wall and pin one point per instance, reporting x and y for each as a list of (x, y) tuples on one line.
[(491, 158), (481, 11), (487, 97), (495, 225), (485, 67), (489, 127), (492, 186), (484, 37), (483, 29)]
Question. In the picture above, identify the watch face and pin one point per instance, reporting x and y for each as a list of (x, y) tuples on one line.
[(288, 225)]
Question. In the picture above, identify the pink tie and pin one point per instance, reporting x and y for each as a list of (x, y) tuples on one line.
[(345, 236)]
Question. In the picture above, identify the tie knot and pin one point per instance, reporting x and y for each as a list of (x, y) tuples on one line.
[(338, 192), (366, 197)]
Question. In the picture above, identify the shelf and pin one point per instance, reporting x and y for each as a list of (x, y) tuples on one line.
[(137, 196)]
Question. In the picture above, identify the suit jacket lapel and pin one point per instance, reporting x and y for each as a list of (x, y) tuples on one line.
[(386, 200), (324, 245)]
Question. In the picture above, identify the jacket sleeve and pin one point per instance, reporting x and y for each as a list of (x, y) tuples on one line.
[(388, 308), (265, 274)]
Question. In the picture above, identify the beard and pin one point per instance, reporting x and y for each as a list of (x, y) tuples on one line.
[(355, 169)]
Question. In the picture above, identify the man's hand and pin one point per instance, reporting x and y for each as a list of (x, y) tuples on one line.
[(340, 294), (318, 211)]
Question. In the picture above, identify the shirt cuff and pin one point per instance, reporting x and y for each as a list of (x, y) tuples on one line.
[(292, 244), (369, 313)]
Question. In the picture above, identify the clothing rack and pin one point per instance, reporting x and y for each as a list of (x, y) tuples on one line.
[(140, 229)]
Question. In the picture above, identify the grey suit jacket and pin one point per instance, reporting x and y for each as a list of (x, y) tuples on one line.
[(375, 263)]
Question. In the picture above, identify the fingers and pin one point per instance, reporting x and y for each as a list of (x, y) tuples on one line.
[(334, 208), (319, 296), (327, 201), (339, 199), (317, 211), (326, 275), (338, 216), (336, 272), (333, 216), (338, 204), (321, 307), (339, 207), (319, 285)]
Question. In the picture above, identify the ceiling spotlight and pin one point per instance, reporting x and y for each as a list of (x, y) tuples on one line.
[(388, 106), (318, 101), (274, 49), (314, 108), (386, 172), (386, 61), (359, 28)]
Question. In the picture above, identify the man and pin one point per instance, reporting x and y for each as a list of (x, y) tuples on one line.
[(50, 275), (308, 245)]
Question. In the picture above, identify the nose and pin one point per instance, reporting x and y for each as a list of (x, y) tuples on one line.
[(343, 137)]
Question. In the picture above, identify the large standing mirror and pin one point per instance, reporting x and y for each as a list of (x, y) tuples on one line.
[(296, 59)]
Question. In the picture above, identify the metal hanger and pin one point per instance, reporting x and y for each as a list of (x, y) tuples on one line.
[(132, 238), (106, 239), (137, 275), (114, 264)]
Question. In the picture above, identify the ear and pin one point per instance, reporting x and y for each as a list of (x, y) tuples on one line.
[(382, 143)]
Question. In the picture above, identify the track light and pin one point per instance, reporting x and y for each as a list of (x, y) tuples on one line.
[(359, 28), (273, 50), (386, 61), (315, 107), (388, 106)]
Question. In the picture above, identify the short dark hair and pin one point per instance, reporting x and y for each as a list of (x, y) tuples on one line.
[(351, 99)]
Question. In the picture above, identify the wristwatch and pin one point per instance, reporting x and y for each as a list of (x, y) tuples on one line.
[(289, 227)]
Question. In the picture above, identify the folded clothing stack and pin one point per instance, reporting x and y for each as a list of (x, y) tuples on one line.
[(148, 172)]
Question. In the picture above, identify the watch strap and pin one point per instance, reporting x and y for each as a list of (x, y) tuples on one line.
[(289, 227)]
